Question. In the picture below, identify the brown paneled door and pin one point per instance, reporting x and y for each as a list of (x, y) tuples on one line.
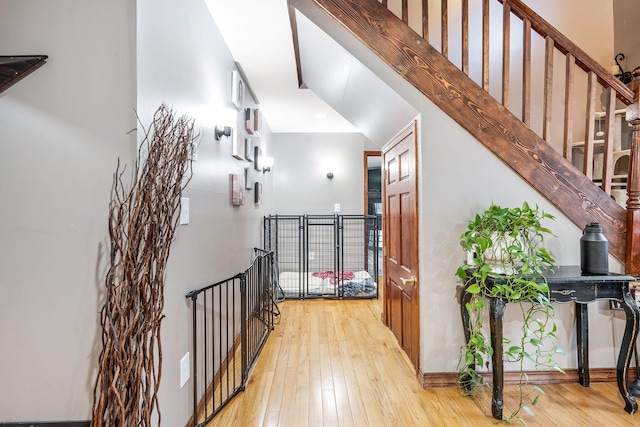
[(401, 241)]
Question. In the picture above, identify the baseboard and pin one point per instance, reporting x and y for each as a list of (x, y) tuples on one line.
[(448, 379), (45, 424)]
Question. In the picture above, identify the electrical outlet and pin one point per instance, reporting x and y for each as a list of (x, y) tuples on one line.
[(185, 373), (336, 207), (193, 152), (312, 256)]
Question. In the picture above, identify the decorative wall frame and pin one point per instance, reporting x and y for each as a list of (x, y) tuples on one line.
[(248, 149), (237, 90), (237, 192), (257, 122), (257, 198), (249, 178), (237, 146), (257, 158), (248, 120)]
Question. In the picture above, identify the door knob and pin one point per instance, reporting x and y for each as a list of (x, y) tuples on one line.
[(410, 281)]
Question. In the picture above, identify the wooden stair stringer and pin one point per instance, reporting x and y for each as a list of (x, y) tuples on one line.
[(481, 115), (15, 68)]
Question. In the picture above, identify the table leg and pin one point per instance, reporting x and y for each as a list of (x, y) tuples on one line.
[(496, 311), (626, 348), (582, 326)]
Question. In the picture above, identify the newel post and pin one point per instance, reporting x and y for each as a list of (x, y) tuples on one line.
[(633, 186)]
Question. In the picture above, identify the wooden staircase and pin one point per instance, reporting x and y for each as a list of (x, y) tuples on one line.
[(491, 121), (15, 68)]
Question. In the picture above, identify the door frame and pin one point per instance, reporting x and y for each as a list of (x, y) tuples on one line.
[(366, 156), (412, 127)]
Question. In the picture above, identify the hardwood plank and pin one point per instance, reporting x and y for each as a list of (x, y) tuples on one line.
[(609, 130), (405, 11), (526, 72), (444, 29), (589, 127), (425, 20), (506, 53), (485, 45), (369, 380), (465, 37), (548, 90), (567, 145)]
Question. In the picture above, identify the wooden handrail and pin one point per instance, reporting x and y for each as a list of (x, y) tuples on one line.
[(566, 46)]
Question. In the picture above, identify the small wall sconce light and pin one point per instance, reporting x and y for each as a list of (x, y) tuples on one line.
[(624, 76), (222, 131), (267, 164), (330, 175)]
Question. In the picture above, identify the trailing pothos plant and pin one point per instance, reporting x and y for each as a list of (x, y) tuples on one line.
[(506, 244)]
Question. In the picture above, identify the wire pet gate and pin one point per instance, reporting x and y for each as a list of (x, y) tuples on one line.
[(232, 320), (324, 256)]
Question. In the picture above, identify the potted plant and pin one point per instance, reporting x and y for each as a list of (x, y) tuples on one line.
[(507, 242)]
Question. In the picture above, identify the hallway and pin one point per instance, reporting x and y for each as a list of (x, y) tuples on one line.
[(333, 363)]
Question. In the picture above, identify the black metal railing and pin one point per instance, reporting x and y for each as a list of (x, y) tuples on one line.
[(231, 322)]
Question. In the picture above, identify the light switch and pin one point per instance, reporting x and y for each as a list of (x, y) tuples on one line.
[(336, 207), (184, 210)]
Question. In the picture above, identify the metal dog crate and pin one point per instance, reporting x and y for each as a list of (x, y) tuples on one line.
[(328, 256)]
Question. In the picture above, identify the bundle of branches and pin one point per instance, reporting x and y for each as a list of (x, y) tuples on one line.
[(142, 223)]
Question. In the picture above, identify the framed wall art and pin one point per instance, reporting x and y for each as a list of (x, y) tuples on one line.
[(248, 149), (237, 192), (257, 122), (257, 158), (248, 120), (237, 146), (249, 178), (257, 198), (237, 90)]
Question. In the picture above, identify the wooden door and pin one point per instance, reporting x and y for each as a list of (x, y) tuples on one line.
[(401, 241)]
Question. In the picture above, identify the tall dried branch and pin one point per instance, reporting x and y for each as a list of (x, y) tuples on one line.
[(142, 224)]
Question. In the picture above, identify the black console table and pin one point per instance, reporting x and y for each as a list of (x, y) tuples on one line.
[(567, 284)]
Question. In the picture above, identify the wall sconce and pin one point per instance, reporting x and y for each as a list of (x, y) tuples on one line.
[(223, 131), (330, 175), (616, 69), (267, 164)]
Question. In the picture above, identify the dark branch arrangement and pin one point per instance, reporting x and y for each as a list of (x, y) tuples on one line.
[(142, 224)]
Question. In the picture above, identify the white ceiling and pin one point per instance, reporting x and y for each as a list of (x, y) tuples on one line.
[(258, 34)]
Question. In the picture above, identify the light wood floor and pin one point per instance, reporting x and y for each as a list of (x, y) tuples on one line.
[(333, 363)]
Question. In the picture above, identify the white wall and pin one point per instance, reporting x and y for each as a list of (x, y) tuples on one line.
[(184, 62), (626, 14), (62, 130), (301, 164)]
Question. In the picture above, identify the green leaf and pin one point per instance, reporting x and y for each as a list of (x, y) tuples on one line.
[(528, 410), (514, 350), (538, 389), (468, 358), (535, 401), (473, 289)]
